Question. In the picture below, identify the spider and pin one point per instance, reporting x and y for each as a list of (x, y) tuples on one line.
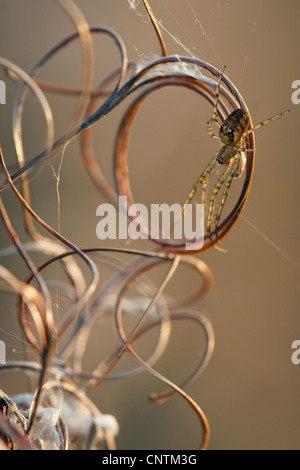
[(232, 133)]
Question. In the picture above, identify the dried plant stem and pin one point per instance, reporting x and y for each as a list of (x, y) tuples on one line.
[(164, 51)]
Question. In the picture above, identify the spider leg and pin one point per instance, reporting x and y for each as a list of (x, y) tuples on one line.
[(209, 127), (263, 123), (242, 164), (227, 175), (214, 116), (201, 180), (231, 176)]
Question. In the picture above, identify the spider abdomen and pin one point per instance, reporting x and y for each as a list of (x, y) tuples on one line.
[(234, 126), (225, 155)]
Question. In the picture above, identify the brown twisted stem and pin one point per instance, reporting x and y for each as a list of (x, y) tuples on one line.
[(122, 144)]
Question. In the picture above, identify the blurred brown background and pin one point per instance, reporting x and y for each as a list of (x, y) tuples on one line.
[(250, 389)]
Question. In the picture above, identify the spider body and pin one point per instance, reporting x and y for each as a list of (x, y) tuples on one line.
[(232, 156), (233, 128), (230, 134), (225, 154)]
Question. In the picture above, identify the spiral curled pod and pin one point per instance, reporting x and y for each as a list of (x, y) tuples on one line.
[(229, 100)]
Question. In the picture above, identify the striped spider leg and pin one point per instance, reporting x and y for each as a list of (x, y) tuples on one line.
[(232, 155)]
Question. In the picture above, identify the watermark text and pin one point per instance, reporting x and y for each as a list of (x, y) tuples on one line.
[(296, 93), (2, 92), (2, 352), (296, 354), (163, 221)]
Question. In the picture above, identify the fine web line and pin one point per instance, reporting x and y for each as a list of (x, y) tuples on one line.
[(14, 349), (270, 242), (57, 177), (203, 31)]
